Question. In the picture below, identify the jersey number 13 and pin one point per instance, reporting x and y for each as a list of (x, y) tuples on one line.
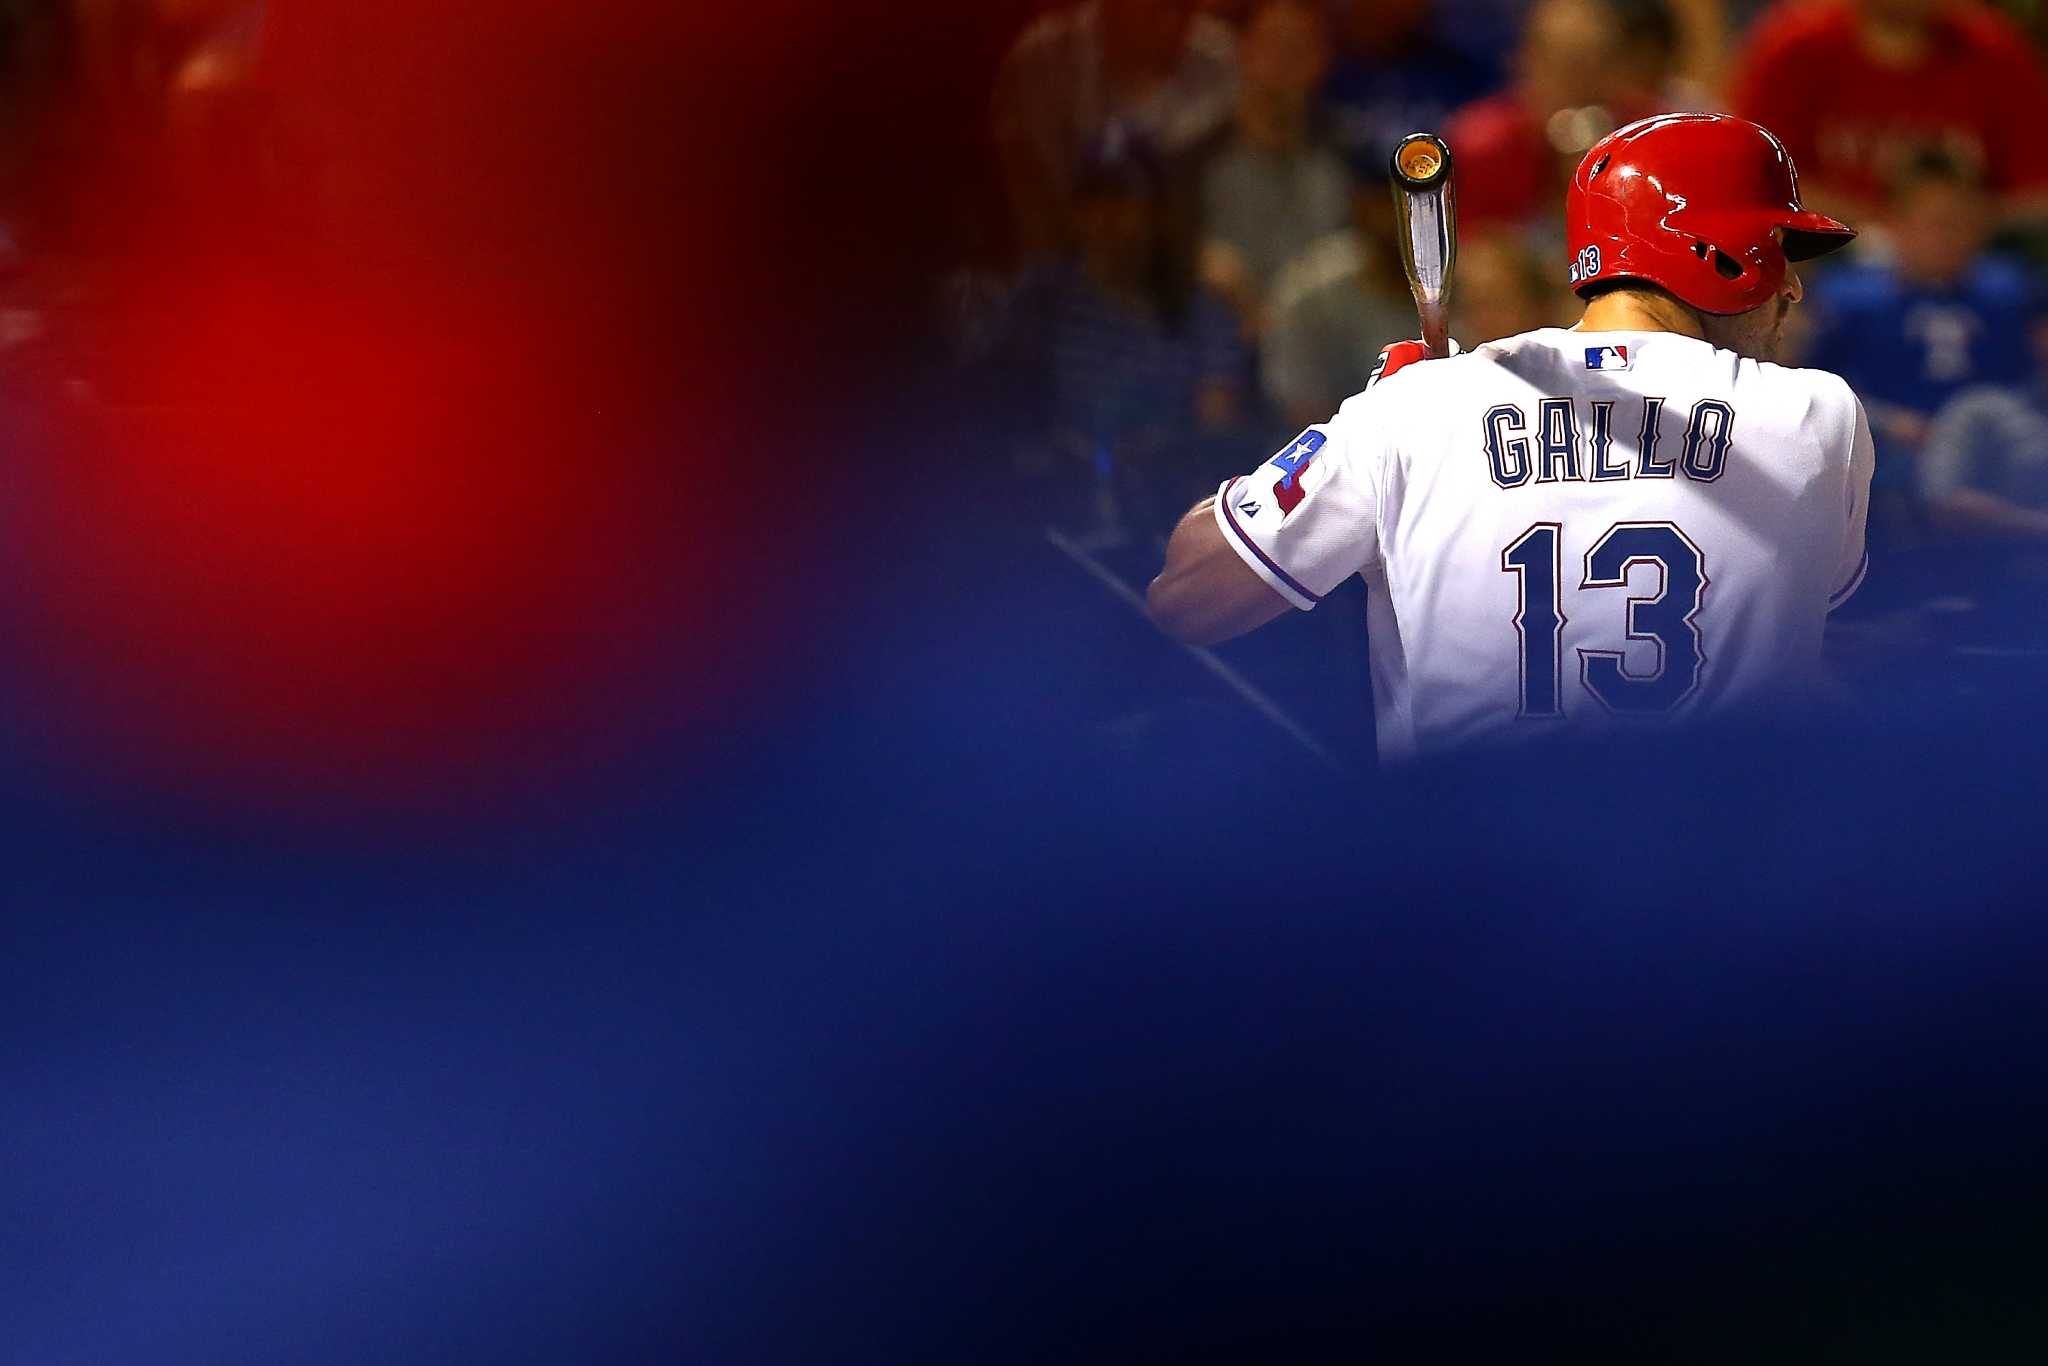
[(1665, 618)]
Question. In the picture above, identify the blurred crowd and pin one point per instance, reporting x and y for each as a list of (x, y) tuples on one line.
[(340, 349), (1196, 255), (1176, 245), (129, 130)]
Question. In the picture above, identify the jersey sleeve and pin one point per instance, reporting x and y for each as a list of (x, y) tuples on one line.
[(1308, 518), (1854, 560)]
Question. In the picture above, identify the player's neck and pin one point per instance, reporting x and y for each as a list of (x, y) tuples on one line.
[(1627, 310)]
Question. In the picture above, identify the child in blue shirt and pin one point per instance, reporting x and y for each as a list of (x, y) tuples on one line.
[(1939, 317)]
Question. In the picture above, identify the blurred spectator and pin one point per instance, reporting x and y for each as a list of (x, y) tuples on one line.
[(2031, 16), (1502, 290), (217, 113), (1984, 468), (207, 43), (1700, 30), (1334, 307), (1653, 44), (1154, 67), (161, 61), (1139, 358), (1394, 74), (176, 120), (1941, 317), (1273, 189), (1347, 297), (1584, 67), (38, 68), (1854, 86)]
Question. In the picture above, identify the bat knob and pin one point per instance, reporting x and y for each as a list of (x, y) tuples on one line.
[(1421, 161)]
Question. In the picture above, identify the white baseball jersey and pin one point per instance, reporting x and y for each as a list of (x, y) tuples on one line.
[(1572, 530)]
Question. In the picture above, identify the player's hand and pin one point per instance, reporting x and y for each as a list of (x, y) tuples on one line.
[(1394, 355)]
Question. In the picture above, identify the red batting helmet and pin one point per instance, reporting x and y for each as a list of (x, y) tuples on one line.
[(1690, 202)]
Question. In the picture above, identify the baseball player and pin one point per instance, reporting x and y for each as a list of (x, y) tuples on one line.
[(1636, 518)]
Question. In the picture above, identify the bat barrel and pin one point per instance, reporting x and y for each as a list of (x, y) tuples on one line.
[(1425, 216)]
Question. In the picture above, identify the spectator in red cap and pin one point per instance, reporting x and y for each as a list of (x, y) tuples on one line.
[(1580, 72), (1856, 86)]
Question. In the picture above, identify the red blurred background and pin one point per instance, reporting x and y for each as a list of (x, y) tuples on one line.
[(398, 418)]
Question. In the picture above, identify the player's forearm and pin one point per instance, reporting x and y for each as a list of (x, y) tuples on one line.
[(1205, 594)]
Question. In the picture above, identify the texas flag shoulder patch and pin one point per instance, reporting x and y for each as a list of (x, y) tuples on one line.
[(1291, 461), (1607, 358)]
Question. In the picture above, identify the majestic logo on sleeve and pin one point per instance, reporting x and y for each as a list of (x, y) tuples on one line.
[(1288, 492), (1607, 358)]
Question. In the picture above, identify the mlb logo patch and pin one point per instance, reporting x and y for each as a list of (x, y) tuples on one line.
[(1607, 358)]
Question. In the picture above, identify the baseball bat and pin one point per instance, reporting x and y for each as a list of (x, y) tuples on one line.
[(1426, 218)]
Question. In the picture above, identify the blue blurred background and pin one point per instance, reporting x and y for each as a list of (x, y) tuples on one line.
[(582, 783)]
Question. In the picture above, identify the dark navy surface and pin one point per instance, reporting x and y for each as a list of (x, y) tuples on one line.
[(1013, 992)]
